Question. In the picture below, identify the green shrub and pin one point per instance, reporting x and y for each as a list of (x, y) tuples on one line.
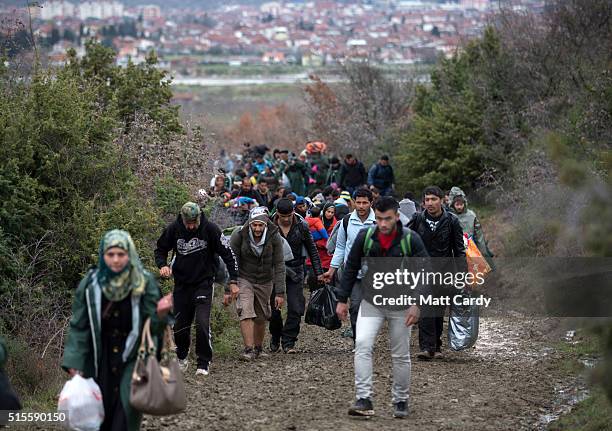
[(170, 195)]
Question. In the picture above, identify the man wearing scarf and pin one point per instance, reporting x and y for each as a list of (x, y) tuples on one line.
[(195, 241), (261, 269), (110, 307)]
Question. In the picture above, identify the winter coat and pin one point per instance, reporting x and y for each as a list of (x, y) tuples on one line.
[(445, 241), (298, 178), (469, 222), (317, 230), (316, 224), (380, 176), (300, 238), (266, 268), (83, 347), (344, 240), (194, 251), (352, 176)]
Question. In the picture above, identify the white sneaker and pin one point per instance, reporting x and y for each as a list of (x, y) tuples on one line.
[(201, 372), (183, 364)]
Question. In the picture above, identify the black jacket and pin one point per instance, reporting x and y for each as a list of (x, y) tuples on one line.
[(446, 240), (353, 175), (194, 252), (353, 264), (299, 237)]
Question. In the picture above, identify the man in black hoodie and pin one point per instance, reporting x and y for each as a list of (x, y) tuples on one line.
[(443, 237), (352, 174), (195, 241)]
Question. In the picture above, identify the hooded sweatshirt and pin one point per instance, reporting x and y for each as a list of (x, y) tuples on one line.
[(194, 251), (468, 220), (407, 207)]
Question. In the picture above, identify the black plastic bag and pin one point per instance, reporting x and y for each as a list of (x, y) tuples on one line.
[(322, 308)]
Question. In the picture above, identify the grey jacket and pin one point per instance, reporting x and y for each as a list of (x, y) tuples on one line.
[(469, 221)]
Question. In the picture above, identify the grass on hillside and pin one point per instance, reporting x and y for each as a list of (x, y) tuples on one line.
[(592, 414), (595, 412)]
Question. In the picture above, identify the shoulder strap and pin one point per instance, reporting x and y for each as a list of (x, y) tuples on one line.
[(345, 222), (367, 244), (405, 245)]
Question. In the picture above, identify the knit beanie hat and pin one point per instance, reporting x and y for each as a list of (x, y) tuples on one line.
[(259, 214), (284, 206)]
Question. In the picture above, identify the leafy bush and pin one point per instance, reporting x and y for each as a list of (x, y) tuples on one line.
[(65, 179), (170, 195)]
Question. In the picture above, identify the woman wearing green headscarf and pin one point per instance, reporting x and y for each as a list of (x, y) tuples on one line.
[(110, 307)]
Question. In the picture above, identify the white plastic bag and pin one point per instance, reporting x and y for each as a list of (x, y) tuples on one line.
[(81, 399)]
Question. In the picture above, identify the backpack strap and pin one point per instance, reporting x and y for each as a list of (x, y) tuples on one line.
[(367, 244), (405, 245), (345, 222)]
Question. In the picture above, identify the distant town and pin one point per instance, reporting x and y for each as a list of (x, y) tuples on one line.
[(309, 34)]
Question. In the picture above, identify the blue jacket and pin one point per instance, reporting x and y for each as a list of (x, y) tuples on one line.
[(381, 176)]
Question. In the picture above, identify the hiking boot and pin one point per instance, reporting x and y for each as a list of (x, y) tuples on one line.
[(247, 354), (259, 353), (362, 407), (183, 364), (425, 355), (290, 350), (401, 410), (274, 346), (438, 355)]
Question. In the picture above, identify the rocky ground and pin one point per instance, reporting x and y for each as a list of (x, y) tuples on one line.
[(509, 381)]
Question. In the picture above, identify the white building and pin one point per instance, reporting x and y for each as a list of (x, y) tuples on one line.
[(271, 8), (57, 9), (101, 9), (150, 12)]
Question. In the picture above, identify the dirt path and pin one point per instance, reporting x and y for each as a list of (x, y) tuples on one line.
[(506, 383)]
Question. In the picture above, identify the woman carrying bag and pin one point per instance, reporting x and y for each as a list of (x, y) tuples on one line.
[(109, 311)]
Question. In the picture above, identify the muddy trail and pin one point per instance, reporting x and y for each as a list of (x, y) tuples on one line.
[(509, 381)]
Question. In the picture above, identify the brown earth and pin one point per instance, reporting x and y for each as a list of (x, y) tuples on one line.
[(507, 382)]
